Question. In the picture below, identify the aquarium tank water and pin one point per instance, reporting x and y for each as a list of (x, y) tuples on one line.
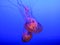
[(14, 15)]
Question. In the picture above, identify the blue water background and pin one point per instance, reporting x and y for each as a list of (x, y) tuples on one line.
[(46, 12)]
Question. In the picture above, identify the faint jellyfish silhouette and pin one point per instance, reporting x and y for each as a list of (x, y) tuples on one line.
[(26, 36)]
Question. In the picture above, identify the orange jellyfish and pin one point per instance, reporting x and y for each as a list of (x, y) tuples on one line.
[(26, 36), (31, 25)]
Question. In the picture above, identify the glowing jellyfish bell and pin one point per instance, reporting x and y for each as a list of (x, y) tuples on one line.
[(33, 26), (26, 36)]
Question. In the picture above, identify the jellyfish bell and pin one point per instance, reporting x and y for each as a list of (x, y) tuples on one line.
[(39, 28), (33, 27), (26, 36), (32, 23)]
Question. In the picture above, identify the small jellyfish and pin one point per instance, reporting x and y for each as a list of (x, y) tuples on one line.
[(26, 37)]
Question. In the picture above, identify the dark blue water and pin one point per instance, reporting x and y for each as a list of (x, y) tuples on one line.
[(47, 12)]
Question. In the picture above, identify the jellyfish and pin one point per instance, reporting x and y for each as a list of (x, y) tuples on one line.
[(31, 25), (26, 36)]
